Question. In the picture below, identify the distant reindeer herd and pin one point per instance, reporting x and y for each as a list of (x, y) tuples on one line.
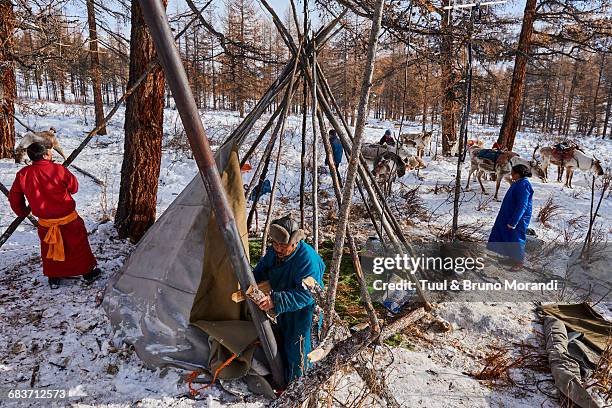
[(391, 162)]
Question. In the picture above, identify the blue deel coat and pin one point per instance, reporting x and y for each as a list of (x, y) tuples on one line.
[(515, 210), (337, 152), (293, 304)]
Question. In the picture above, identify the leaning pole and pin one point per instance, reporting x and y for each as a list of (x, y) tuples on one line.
[(169, 57)]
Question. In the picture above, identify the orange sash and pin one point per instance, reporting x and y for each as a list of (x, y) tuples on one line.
[(54, 235)]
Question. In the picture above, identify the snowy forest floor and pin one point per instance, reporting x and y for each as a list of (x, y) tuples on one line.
[(62, 339)]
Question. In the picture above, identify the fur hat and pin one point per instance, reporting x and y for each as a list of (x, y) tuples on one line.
[(285, 230)]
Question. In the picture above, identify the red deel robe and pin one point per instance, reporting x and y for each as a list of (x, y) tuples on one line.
[(48, 187)]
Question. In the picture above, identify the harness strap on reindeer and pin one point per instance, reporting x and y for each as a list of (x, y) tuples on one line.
[(492, 155)]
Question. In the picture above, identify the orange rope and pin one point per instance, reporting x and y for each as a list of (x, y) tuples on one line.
[(194, 374)]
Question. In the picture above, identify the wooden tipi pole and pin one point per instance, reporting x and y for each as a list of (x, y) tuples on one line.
[(352, 171)]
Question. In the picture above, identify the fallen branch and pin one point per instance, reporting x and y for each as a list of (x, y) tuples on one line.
[(88, 174), (338, 332), (341, 355)]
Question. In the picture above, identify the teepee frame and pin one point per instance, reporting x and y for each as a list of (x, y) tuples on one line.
[(302, 67)]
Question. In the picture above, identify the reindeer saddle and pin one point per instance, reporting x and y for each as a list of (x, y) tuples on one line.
[(490, 154), (564, 151)]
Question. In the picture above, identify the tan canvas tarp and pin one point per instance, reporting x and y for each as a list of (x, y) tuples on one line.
[(149, 301), (213, 300), (213, 310), (582, 318)]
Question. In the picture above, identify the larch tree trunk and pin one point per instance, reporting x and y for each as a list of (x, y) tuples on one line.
[(510, 124), (608, 106), (8, 89), (594, 112), (570, 101), (449, 80), (95, 65), (144, 116)]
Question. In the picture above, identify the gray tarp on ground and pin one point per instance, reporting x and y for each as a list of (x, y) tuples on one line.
[(149, 301), (565, 369)]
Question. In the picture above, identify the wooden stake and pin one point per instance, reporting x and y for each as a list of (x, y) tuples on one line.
[(282, 121), (351, 175), (303, 155), (315, 161), (5, 191)]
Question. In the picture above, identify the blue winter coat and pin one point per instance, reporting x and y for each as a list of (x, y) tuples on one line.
[(336, 150), (266, 188), (292, 303), (515, 210), (336, 146)]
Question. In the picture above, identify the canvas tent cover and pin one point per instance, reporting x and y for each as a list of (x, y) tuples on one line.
[(176, 276)]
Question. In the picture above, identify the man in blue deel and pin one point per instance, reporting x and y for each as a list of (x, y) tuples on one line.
[(336, 146), (509, 233), (289, 261)]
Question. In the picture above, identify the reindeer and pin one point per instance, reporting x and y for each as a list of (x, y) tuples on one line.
[(46, 137), (386, 168), (371, 151), (501, 166), (575, 159), (419, 140)]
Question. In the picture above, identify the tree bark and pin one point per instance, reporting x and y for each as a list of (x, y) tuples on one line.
[(95, 65), (449, 80), (8, 89), (144, 115), (594, 112), (510, 123), (608, 106)]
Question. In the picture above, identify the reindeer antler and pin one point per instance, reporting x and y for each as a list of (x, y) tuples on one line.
[(533, 156)]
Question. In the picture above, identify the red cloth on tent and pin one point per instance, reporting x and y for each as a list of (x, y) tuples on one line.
[(48, 187)]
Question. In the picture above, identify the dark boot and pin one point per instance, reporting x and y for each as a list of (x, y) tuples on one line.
[(92, 276), (54, 283)]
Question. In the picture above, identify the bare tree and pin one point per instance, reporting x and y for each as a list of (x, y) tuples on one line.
[(510, 123), (8, 90), (95, 65)]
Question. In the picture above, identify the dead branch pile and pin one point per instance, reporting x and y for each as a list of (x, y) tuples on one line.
[(469, 232), (501, 359)]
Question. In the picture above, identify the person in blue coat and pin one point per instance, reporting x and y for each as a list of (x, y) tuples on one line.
[(509, 233), (337, 151), (285, 265)]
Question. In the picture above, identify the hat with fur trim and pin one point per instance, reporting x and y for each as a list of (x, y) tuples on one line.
[(286, 230)]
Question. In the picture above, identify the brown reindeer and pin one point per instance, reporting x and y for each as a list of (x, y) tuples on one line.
[(46, 137), (500, 163), (570, 160)]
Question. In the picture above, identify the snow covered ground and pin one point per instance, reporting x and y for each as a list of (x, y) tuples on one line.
[(62, 339)]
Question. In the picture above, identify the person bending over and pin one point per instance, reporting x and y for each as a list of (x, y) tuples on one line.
[(285, 265)]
